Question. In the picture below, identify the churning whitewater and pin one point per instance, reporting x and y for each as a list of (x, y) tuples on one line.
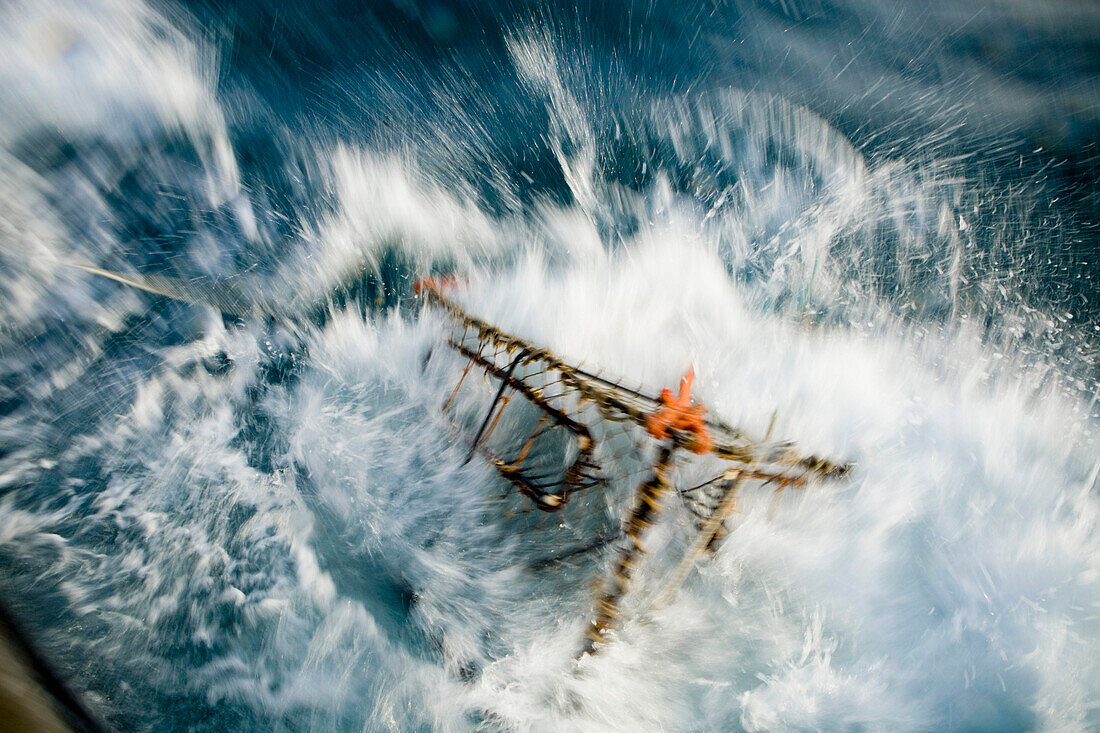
[(246, 511)]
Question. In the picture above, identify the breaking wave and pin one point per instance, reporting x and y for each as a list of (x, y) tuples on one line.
[(244, 511)]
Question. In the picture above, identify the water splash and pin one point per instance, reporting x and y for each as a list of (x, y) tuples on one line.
[(252, 522)]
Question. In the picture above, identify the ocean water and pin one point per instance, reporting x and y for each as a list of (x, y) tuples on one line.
[(876, 221)]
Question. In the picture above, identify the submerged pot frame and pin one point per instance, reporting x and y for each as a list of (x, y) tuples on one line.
[(559, 392)]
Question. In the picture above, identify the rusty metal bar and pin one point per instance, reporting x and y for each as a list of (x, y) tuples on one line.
[(706, 539), (492, 409), (648, 505)]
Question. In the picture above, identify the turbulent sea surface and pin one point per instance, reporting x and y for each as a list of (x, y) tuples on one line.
[(876, 220)]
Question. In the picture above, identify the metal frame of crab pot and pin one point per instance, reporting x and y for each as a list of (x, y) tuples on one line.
[(677, 424)]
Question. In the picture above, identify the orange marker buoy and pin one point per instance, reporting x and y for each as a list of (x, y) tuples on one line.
[(438, 284), (679, 414)]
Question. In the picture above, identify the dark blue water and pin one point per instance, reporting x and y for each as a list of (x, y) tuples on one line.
[(877, 221)]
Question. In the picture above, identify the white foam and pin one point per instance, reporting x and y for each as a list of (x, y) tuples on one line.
[(113, 69)]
